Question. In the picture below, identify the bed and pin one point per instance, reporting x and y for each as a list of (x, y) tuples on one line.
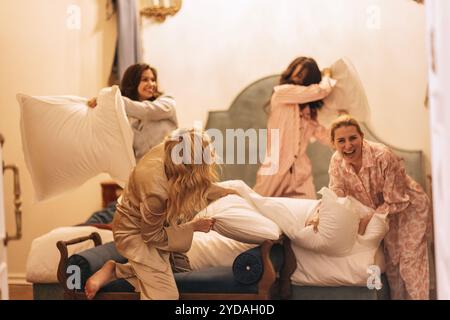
[(223, 268), (247, 111)]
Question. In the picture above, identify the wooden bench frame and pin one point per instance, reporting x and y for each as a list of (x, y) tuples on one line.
[(267, 286)]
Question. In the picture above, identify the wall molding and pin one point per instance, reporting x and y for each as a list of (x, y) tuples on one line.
[(18, 278)]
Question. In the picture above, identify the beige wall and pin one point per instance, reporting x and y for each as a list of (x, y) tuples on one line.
[(211, 50), (41, 56)]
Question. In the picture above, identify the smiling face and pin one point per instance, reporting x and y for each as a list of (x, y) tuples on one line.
[(147, 85), (348, 142)]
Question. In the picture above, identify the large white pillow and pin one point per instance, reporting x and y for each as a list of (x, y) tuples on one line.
[(66, 143), (288, 213), (348, 94), (299, 209), (319, 269), (44, 256), (239, 220), (214, 250), (315, 269), (337, 229), (339, 218)]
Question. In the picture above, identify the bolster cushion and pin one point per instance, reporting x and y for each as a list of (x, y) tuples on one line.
[(248, 266), (91, 260)]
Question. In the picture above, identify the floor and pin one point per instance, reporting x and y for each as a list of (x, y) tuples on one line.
[(20, 292), (25, 292)]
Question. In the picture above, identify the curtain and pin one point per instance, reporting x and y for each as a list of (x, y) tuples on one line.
[(128, 46), (438, 41)]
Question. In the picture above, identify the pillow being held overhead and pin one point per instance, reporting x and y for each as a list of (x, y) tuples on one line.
[(65, 143), (348, 94)]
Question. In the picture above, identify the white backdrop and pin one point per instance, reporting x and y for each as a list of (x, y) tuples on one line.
[(438, 25), (211, 50)]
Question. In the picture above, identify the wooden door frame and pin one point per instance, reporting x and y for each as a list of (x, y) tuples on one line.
[(3, 259)]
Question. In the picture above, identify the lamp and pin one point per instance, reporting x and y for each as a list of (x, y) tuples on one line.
[(159, 9)]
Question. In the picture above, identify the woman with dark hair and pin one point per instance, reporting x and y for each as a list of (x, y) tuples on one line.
[(287, 171), (152, 115)]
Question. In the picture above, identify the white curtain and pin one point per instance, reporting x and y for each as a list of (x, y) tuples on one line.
[(438, 26)]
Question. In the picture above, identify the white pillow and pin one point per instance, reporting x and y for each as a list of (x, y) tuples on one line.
[(214, 250), (44, 256), (238, 220), (288, 213), (339, 218), (318, 269), (348, 94), (315, 269), (337, 228), (66, 143), (359, 208)]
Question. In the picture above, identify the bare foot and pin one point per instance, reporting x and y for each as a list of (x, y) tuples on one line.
[(103, 276)]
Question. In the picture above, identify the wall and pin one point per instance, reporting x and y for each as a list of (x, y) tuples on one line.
[(211, 50), (205, 56), (439, 73), (41, 56)]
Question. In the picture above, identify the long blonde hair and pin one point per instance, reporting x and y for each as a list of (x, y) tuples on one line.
[(190, 168)]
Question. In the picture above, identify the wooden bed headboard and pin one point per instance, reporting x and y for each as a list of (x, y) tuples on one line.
[(247, 111), (111, 191)]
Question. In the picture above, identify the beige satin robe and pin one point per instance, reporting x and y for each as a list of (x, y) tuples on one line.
[(294, 175), (140, 232)]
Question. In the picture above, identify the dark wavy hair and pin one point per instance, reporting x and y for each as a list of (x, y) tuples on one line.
[(310, 74), (131, 79)]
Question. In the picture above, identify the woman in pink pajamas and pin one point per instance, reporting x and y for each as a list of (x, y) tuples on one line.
[(293, 112), (374, 175)]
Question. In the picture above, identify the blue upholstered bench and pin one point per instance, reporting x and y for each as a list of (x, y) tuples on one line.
[(252, 276)]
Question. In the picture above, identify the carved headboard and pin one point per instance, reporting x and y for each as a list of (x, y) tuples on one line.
[(247, 111)]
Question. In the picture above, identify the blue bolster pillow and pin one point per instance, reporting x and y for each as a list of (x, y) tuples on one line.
[(93, 259), (248, 266)]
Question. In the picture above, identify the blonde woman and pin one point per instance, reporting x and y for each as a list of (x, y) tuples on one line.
[(155, 214), (375, 176)]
